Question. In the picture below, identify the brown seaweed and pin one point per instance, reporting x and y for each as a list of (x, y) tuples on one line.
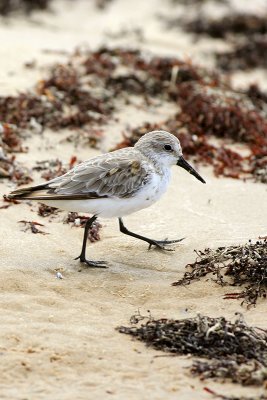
[(77, 220), (232, 346), (240, 266)]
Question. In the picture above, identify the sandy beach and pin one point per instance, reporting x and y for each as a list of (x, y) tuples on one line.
[(58, 337)]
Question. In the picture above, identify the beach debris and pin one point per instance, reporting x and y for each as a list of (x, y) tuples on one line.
[(53, 168), (208, 107), (86, 136), (102, 4), (225, 397), (23, 109), (244, 266), (233, 346), (10, 140), (78, 220), (246, 55), (9, 202), (32, 226), (225, 27), (12, 170), (201, 336), (246, 33), (81, 94), (47, 211), (59, 275), (250, 373), (26, 6), (60, 101)]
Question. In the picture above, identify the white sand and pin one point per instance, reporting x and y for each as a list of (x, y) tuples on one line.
[(57, 336)]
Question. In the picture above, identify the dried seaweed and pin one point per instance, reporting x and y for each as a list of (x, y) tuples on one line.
[(77, 220), (25, 6), (46, 211), (249, 54), (10, 140), (53, 168), (23, 109), (244, 266), (9, 202), (211, 110), (230, 24), (224, 397), (86, 136), (216, 339), (202, 336), (82, 92), (32, 226), (64, 89), (12, 170), (250, 373), (102, 4)]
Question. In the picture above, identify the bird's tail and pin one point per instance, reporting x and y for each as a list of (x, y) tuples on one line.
[(27, 193)]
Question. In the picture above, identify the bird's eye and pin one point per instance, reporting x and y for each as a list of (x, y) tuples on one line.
[(168, 147)]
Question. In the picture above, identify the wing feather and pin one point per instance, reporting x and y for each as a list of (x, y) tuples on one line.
[(117, 174), (114, 176)]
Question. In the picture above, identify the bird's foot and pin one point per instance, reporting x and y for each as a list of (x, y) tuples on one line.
[(92, 264), (160, 244)]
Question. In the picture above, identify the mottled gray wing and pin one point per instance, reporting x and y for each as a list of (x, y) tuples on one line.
[(104, 176)]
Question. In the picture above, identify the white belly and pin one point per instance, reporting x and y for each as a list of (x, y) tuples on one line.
[(117, 207)]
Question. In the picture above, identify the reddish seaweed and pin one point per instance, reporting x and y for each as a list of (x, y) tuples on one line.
[(46, 211), (83, 91), (77, 220), (32, 226)]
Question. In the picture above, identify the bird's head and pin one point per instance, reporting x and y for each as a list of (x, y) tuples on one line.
[(163, 147)]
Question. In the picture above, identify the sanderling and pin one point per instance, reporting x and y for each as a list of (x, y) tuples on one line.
[(115, 184)]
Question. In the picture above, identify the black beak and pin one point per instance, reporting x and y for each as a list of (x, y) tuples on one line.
[(184, 164)]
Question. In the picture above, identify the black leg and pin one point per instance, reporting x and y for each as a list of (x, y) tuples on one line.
[(158, 243), (81, 257)]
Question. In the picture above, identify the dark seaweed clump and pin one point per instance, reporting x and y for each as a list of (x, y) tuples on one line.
[(231, 24), (249, 54), (236, 348), (243, 266), (26, 6), (226, 397), (246, 33), (250, 373)]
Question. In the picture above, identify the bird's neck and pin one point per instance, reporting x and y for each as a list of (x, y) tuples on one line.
[(160, 167)]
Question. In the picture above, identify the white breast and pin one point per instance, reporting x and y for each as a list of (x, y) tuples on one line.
[(118, 207)]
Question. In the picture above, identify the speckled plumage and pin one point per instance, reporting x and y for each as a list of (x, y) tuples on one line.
[(113, 184)]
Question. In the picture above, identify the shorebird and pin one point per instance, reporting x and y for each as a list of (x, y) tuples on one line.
[(115, 184)]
